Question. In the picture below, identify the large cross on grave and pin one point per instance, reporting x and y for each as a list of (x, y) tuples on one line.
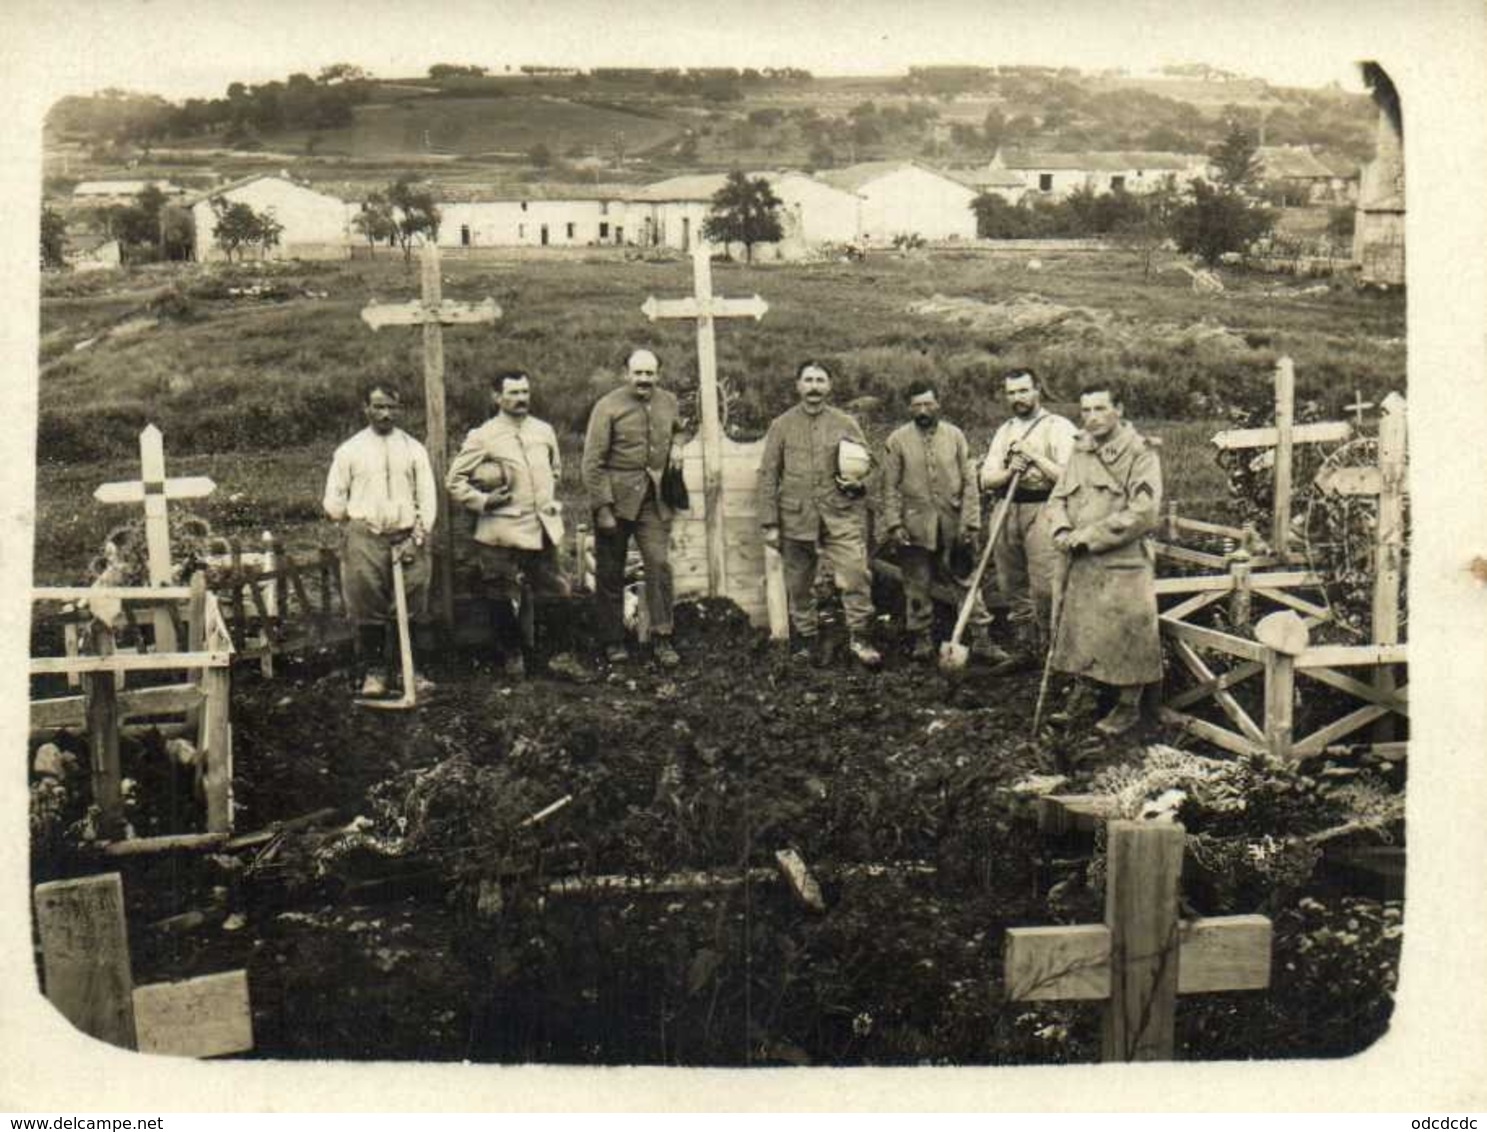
[(704, 306), (1283, 437), (1387, 482), (154, 491), (1142, 957), (433, 313)]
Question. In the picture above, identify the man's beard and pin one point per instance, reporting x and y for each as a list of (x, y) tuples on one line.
[(925, 421)]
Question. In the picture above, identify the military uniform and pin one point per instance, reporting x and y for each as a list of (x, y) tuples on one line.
[(798, 494), (1110, 499)]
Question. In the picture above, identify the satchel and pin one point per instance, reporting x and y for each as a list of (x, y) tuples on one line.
[(674, 488)]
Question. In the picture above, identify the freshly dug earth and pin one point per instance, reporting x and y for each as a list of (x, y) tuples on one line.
[(427, 928)]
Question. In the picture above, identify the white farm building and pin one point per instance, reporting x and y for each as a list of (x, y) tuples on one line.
[(901, 198), (316, 225)]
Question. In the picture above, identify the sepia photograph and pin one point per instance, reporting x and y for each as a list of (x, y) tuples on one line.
[(764, 537)]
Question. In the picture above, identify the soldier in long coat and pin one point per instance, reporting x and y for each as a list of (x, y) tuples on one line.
[(1103, 507), (931, 506)]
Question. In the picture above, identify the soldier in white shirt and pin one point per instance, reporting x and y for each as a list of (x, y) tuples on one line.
[(1038, 444), (381, 492)]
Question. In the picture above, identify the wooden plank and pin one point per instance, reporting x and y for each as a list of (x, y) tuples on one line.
[(1280, 703), (1199, 526), (203, 1017), (1188, 606), (70, 711), (141, 846), (1320, 432), (1044, 964), (1319, 613), (1210, 732), (1213, 639), (1192, 557), (216, 751), (1064, 813), (1351, 481), (1352, 656), (157, 528), (1398, 702), (101, 708), (143, 595), (1225, 953), (85, 955), (775, 597), (1236, 675), (1389, 543), (1323, 737), (128, 662), (436, 432), (1269, 580), (1142, 876), (1231, 707), (177, 487), (1285, 428)]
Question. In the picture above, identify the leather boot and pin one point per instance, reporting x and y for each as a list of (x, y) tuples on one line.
[(1125, 715)]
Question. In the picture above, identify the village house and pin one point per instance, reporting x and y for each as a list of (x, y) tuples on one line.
[(671, 213), (317, 225), (903, 198), (1053, 176), (1304, 177), (994, 179), (92, 252), (534, 216)]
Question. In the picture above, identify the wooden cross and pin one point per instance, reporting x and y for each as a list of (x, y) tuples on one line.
[(1282, 438), (154, 490), (433, 313), (1387, 482), (1142, 957), (85, 965), (704, 306), (1357, 407)]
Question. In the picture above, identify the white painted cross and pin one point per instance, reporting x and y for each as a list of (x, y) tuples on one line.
[(1282, 438), (1142, 957), (704, 306), (154, 490), (1357, 407), (433, 313)]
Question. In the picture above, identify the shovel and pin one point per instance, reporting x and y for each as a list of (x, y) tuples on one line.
[(953, 654), (409, 699)]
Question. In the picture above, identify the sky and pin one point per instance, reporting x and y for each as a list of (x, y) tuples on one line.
[(181, 48)]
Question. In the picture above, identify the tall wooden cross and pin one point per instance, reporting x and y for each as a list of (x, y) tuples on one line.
[(704, 306), (433, 314), (1386, 481), (154, 491), (1142, 957), (1283, 437)]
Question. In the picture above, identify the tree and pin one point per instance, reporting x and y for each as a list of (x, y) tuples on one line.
[(1216, 220), (414, 212), (540, 156), (744, 212), (376, 221), (1144, 234), (342, 73), (239, 226), (53, 238), (1236, 162)]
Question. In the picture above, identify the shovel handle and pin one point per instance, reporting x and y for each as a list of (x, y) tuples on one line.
[(405, 643), (973, 587)]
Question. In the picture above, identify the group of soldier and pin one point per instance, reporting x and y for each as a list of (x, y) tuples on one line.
[(1071, 556)]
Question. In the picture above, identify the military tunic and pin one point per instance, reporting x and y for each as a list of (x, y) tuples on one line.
[(1109, 498)]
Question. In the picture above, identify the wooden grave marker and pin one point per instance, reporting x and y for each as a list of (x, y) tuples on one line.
[(155, 491), (1387, 481), (705, 307), (433, 313), (85, 967), (1283, 437), (1142, 957)]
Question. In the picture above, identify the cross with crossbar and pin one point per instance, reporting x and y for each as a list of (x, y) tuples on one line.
[(433, 313), (154, 490), (704, 306)]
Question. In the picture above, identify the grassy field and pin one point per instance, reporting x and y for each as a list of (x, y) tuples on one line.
[(256, 392)]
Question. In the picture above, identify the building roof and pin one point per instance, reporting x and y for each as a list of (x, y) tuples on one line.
[(1292, 162), (1110, 161), (704, 186), (854, 177), (122, 188), (988, 177)]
